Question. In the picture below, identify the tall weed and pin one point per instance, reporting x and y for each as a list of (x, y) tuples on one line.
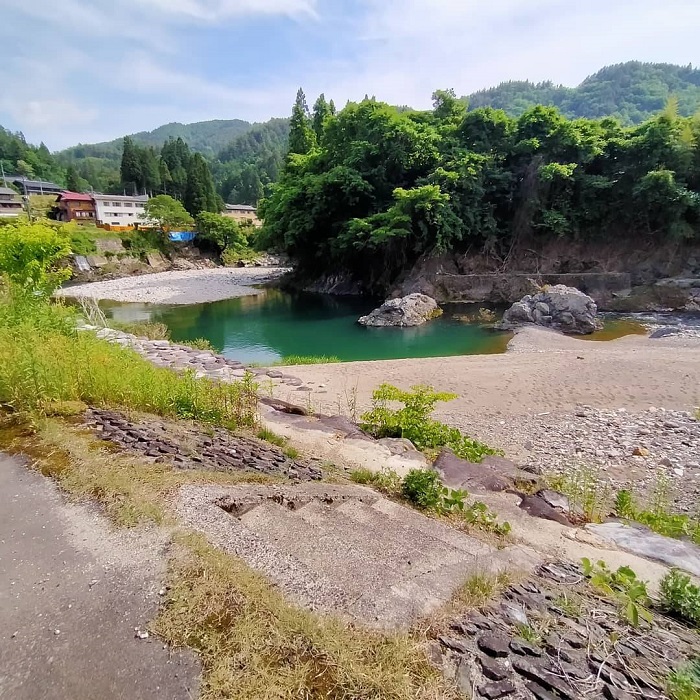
[(44, 359)]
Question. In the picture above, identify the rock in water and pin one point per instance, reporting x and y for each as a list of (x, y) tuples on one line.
[(413, 310), (560, 307)]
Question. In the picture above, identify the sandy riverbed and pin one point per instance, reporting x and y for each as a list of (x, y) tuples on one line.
[(542, 372), (180, 286)]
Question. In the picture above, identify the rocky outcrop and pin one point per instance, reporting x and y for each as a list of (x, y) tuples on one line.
[(412, 310), (563, 308)]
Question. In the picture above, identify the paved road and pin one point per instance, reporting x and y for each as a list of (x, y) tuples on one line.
[(72, 593)]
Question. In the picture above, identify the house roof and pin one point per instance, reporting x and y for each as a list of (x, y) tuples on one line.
[(240, 207), (75, 196), (42, 184), (120, 197), (7, 190)]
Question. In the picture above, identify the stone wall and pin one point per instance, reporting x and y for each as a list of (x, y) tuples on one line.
[(603, 287)]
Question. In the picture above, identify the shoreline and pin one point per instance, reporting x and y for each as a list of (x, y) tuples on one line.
[(178, 287)]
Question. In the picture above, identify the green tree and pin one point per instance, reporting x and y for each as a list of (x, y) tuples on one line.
[(130, 169), (200, 194), (301, 134), (73, 180), (221, 231), (166, 213), (322, 110)]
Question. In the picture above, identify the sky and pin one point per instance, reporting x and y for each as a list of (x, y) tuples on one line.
[(92, 70)]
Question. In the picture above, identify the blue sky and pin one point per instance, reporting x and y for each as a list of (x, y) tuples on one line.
[(90, 70)]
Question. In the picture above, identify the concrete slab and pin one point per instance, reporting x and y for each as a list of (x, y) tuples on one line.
[(72, 592), (342, 549)]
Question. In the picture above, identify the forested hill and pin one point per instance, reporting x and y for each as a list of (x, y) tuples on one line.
[(632, 92), (207, 138)]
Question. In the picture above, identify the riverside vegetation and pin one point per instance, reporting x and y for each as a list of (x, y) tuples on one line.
[(377, 187)]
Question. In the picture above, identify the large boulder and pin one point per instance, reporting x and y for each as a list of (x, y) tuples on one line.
[(560, 307), (412, 310)]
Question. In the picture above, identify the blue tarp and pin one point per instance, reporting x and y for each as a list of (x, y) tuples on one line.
[(182, 236)]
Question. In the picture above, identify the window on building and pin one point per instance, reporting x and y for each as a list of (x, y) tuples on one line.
[(128, 204), (116, 204)]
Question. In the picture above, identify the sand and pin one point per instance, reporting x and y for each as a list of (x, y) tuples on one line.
[(542, 372), (179, 287)]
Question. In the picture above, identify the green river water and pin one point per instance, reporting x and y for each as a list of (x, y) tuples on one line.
[(271, 325)]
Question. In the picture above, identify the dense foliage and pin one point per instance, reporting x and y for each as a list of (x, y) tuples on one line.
[(20, 158), (381, 187), (631, 92)]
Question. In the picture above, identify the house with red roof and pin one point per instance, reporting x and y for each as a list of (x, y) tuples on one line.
[(75, 206)]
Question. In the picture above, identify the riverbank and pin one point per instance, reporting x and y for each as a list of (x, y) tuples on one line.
[(553, 402), (179, 286)]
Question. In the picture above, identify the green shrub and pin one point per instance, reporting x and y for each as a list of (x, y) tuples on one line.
[(30, 257), (414, 423), (680, 596), (623, 586), (657, 516), (423, 488)]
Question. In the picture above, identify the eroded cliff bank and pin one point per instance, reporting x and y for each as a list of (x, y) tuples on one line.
[(618, 276)]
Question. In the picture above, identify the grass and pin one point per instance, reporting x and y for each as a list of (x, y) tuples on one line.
[(308, 360), (481, 588), (271, 437), (150, 330), (198, 344), (291, 452), (657, 515), (253, 644), (43, 359), (588, 496), (684, 682), (132, 491)]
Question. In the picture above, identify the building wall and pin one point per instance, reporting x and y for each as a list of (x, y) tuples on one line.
[(76, 210), (243, 216), (119, 213)]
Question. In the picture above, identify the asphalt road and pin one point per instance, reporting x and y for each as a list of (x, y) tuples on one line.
[(72, 593)]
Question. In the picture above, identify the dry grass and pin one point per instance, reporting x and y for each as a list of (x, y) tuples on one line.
[(481, 588), (253, 644), (131, 490)]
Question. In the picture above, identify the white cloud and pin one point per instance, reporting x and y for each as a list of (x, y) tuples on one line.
[(217, 10), (412, 47)]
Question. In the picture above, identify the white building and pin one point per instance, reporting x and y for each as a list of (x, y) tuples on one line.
[(117, 211)]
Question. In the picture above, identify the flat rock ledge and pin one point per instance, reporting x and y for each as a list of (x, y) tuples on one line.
[(412, 310), (561, 308)]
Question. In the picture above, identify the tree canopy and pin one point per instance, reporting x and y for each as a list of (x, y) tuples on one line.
[(167, 213), (382, 186)]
